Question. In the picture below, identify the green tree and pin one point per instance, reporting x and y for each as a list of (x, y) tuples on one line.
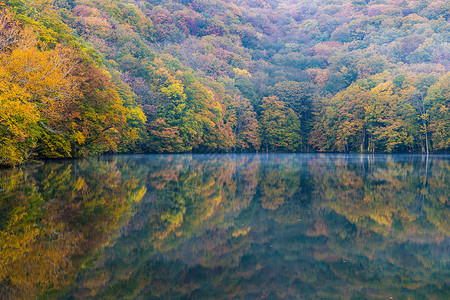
[(246, 126), (279, 126)]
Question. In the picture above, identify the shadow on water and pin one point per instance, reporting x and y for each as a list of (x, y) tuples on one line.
[(227, 226)]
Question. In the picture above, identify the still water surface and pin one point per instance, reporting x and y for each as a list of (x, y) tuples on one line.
[(301, 226)]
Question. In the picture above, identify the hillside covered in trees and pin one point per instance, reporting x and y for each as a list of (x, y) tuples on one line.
[(81, 77)]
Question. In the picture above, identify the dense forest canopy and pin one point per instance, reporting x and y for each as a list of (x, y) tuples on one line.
[(80, 77)]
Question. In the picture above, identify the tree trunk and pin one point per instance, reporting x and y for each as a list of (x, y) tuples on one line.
[(363, 142), (425, 124)]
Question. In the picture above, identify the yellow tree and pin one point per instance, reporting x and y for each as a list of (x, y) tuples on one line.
[(56, 103), (438, 101), (18, 119)]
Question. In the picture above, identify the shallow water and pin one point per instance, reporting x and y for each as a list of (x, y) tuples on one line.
[(227, 226)]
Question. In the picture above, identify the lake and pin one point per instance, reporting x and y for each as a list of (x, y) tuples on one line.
[(268, 226)]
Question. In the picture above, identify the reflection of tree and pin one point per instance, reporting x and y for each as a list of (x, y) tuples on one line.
[(215, 227), (436, 196), (391, 232), (189, 197), (277, 182), (390, 198), (26, 260), (53, 216)]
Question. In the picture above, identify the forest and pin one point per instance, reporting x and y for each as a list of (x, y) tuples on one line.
[(85, 77)]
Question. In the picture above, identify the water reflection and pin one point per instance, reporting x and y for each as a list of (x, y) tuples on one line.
[(227, 226), (54, 216)]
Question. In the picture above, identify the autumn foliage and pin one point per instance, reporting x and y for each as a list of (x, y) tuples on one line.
[(89, 77), (54, 102)]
